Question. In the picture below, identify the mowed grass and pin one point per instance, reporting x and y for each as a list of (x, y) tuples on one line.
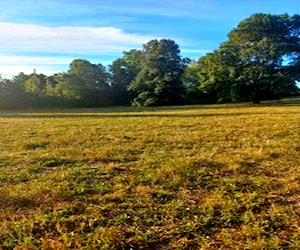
[(199, 177)]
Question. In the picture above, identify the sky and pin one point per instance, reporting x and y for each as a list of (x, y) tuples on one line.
[(47, 35)]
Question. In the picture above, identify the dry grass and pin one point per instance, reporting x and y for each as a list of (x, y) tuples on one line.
[(206, 177)]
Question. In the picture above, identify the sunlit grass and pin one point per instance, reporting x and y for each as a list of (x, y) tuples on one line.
[(199, 177)]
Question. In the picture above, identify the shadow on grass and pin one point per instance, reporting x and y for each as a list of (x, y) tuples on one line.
[(293, 101), (17, 202), (70, 115)]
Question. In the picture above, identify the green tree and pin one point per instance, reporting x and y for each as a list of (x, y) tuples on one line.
[(123, 72), (17, 84), (264, 43), (50, 88), (85, 82), (35, 83), (193, 92), (69, 86), (159, 79), (259, 60), (216, 76), (12, 92), (92, 76)]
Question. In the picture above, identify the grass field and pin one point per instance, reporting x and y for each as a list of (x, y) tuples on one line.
[(198, 177)]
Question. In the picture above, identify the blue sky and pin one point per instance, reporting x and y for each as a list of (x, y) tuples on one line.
[(47, 35)]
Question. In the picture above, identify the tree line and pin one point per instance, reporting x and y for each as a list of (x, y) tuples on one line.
[(260, 60)]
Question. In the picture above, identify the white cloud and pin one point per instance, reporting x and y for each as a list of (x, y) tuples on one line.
[(9, 72), (56, 47), (25, 47), (16, 38), (7, 60), (11, 65)]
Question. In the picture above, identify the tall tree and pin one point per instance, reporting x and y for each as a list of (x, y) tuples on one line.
[(259, 60), (35, 83), (265, 44), (123, 72), (92, 76), (17, 84), (159, 80), (12, 92), (85, 82), (52, 81)]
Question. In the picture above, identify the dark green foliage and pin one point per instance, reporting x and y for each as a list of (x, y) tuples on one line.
[(35, 84), (159, 80), (17, 85), (12, 92), (264, 42), (123, 72), (84, 85), (193, 93), (259, 61), (84, 82)]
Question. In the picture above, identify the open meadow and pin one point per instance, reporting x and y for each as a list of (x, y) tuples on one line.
[(195, 177)]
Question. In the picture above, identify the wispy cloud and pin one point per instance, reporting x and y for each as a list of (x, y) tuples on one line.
[(9, 72), (48, 34), (16, 38), (50, 49), (57, 46), (11, 65), (10, 60)]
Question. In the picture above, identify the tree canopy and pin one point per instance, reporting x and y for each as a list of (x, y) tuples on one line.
[(123, 72), (259, 61), (159, 80)]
